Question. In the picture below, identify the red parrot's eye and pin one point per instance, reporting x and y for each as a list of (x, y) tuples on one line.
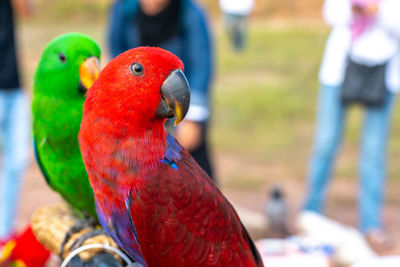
[(62, 57), (137, 69)]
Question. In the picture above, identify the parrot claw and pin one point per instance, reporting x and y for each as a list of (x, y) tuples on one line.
[(79, 241), (74, 229), (101, 259)]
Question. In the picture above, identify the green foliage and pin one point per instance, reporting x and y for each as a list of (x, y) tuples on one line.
[(269, 88), (67, 10)]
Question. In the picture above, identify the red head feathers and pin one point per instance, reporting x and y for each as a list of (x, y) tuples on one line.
[(132, 88)]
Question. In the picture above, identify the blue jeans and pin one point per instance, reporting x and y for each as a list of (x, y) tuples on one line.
[(236, 26), (15, 136), (372, 166)]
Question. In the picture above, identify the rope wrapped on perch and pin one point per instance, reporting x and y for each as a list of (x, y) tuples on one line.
[(50, 225)]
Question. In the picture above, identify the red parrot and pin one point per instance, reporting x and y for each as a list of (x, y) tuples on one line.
[(151, 196)]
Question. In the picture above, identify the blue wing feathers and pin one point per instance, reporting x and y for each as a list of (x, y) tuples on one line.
[(173, 153)]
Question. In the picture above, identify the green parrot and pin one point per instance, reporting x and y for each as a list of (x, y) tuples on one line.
[(68, 67)]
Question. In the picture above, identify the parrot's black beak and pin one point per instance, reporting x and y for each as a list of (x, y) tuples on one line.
[(175, 94), (88, 73)]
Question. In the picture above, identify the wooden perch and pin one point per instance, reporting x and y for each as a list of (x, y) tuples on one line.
[(50, 225)]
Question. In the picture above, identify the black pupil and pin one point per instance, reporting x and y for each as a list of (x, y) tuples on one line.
[(137, 68), (62, 57)]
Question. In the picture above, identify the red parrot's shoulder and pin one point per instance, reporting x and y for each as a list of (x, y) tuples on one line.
[(185, 219)]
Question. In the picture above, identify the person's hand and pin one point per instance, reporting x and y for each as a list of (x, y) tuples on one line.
[(189, 134)]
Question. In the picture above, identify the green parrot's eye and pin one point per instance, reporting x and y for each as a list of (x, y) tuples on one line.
[(137, 69), (62, 57)]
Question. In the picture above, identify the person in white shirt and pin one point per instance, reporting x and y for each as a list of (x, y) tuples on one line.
[(236, 13), (364, 43)]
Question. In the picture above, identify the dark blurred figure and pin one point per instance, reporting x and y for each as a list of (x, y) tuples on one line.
[(236, 13), (180, 27), (14, 122), (360, 66), (276, 210)]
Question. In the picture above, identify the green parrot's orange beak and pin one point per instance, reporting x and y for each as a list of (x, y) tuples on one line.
[(89, 72), (175, 94)]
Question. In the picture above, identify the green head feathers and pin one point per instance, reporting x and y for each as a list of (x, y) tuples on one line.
[(61, 62)]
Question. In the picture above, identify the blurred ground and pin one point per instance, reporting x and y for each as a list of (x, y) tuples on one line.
[(263, 106)]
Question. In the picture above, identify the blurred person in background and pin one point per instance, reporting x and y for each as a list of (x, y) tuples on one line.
[(181, 27), (236, 13), (360, 65), (14, 119)]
